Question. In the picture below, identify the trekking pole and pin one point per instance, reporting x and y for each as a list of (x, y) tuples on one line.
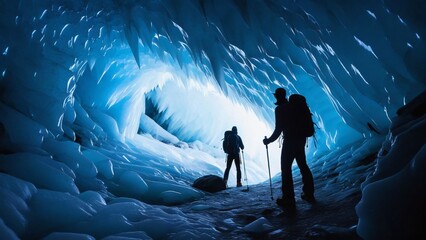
[(269, 170), (245, 172)]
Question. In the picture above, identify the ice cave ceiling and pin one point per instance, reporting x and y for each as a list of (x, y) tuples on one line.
[(356, 61)]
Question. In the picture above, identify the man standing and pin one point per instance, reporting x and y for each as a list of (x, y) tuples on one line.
[(293, 147), (233, 145)]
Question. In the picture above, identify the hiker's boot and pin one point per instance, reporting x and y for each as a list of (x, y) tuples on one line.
[(239, 184), (308, 197), (225, 181)]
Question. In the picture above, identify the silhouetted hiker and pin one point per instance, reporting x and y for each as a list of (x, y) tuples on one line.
[(231, 145), (293, 147)]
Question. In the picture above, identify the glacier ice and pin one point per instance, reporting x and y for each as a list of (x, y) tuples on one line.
[(131, 98), (258, 226), (397, 184)]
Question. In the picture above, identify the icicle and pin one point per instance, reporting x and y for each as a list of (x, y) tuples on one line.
[(133, 41)]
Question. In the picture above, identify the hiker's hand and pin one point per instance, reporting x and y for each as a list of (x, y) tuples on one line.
[(266, 141)]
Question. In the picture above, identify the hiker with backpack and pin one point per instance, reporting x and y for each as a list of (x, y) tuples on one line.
[(294, 120), (232, 144)]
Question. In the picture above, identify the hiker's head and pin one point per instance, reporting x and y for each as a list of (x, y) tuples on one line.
[(234, 129), (280, 94)]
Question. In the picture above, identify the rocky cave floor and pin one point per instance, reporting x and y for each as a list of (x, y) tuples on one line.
[(333, 216)]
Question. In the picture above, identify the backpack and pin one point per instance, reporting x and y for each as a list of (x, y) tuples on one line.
[(230, 143), (301, 116), (225, 144)]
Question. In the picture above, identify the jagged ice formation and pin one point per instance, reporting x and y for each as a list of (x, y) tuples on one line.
[(95, 85)]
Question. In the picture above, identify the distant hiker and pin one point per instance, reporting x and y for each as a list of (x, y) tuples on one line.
[(287, 121), (231, 145)]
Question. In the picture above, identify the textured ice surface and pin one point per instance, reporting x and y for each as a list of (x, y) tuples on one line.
[(397, 186), (107, 107)]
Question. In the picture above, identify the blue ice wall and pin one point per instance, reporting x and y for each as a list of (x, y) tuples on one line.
[(94, 62)]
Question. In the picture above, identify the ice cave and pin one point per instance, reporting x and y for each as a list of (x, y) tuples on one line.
[(111, 109)]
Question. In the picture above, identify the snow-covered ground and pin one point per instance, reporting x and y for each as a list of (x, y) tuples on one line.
[(35, 208)]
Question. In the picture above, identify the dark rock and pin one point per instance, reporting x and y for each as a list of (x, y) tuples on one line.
[(210, 183)]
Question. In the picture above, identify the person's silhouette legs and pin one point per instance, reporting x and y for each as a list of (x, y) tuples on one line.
[(238, 166), (233, 158), (295, 148), (228, 167), (307, 178), (287, 157)]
